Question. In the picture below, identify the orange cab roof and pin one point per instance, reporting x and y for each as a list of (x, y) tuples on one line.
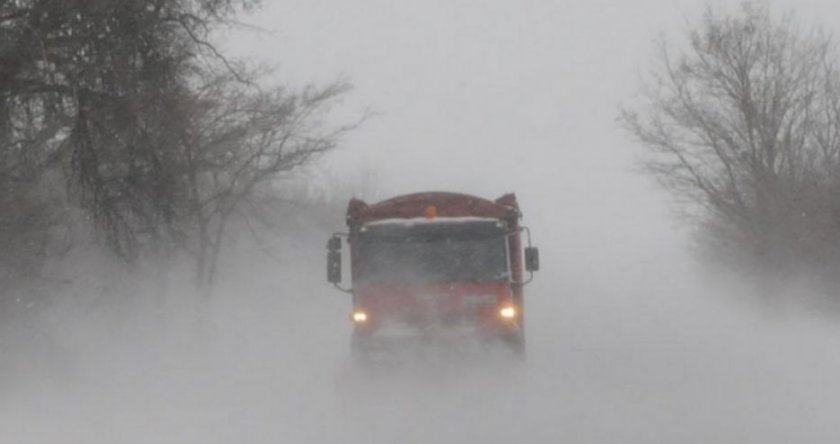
[(432, 204)]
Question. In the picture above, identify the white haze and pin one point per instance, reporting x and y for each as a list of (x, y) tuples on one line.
[(629, 341)]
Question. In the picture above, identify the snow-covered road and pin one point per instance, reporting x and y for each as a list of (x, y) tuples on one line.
[(628, 359)]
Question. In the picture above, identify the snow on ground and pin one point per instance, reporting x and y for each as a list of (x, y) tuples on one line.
[(641, 356)]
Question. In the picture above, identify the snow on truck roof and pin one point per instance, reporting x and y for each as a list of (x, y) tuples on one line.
[(444, 205), (436, 220)]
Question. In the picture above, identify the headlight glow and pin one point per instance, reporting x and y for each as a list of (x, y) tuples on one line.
[(359, 316), (508, 312)]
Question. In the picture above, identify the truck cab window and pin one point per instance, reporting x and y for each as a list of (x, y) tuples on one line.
[(437, 253)]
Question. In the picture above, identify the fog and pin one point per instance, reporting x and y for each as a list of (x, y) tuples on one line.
[(629, 338), (635, 356)]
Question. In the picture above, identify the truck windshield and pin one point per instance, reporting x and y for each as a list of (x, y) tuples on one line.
[(440, 252)]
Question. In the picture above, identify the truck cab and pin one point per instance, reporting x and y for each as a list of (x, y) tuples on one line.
[(435, 262)]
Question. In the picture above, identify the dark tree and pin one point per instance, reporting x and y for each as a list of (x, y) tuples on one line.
[(238, 140), (743, 127), (87, 86), (158, 137)]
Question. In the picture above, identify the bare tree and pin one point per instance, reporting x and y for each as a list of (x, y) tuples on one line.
[(159, 137), (87, 87), (743, 127), (240, 138)]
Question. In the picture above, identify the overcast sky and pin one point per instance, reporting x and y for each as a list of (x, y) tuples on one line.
[(530, 88), (491, 96)]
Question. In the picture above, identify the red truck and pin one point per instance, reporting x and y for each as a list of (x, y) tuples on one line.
[(435, 261)]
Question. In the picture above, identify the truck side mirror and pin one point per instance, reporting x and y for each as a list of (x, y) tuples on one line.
[(334, 267), (532, 258), (334, 260)]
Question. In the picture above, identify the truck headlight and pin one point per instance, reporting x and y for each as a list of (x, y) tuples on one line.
[(507, 312), (359, 317)]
